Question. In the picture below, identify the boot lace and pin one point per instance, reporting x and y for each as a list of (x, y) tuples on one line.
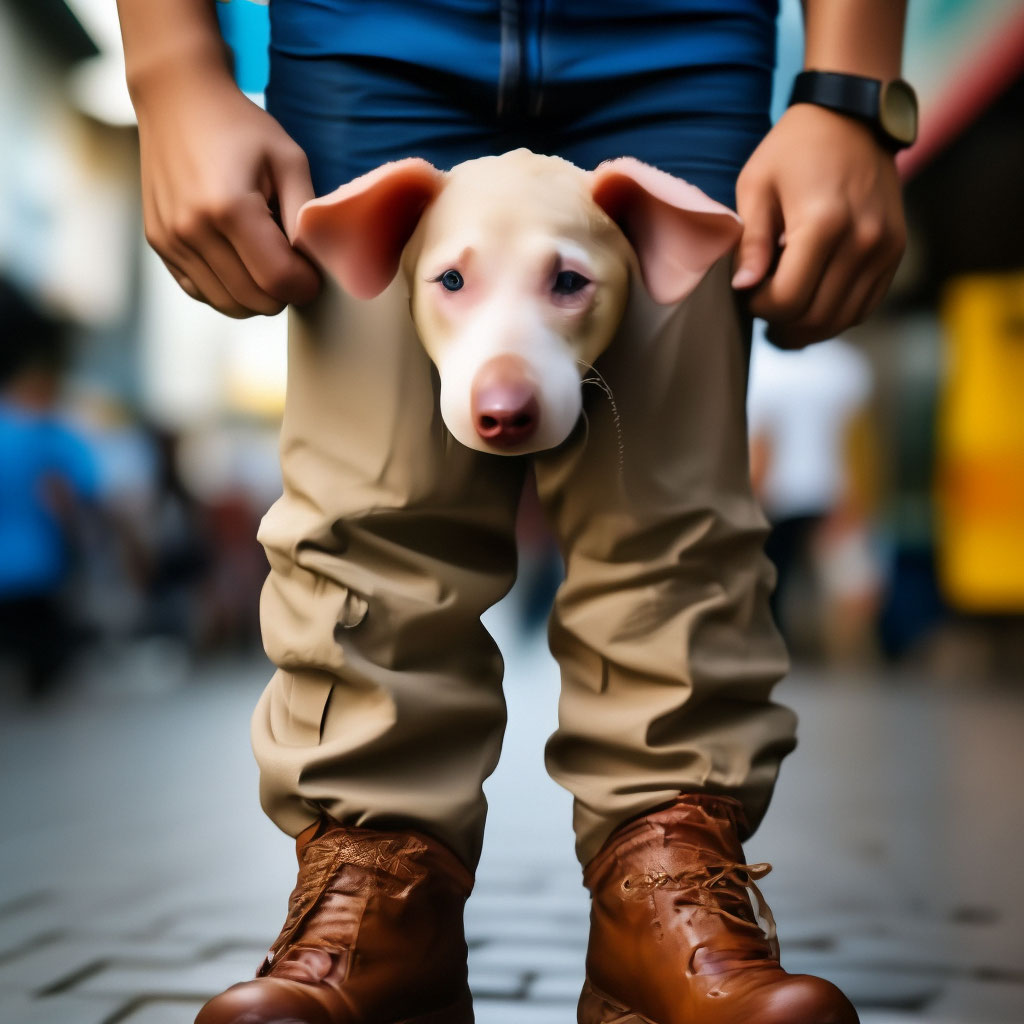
[(715, 887)]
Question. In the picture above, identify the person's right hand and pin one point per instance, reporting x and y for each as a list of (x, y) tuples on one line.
[(222, 184)]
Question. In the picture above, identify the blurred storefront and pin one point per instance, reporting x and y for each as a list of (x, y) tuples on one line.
[(70, 228), (179, 404), (950, 347), (68, 219)]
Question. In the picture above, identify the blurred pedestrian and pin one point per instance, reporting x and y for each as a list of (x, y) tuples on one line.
[(46, 472), (805, 411)]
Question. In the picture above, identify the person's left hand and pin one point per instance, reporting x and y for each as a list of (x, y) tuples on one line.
[(823, 225)]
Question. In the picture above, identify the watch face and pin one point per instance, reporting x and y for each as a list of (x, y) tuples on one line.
[(897, 109)]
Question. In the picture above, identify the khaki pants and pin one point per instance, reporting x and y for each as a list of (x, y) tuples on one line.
[(391, 539)]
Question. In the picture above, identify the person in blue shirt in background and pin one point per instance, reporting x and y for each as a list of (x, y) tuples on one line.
[(46, 471)]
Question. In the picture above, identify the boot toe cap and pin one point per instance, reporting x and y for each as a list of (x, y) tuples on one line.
[(265, 1001), (805, 999)]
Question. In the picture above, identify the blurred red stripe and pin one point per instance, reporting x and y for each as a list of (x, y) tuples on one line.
[(971, 88)]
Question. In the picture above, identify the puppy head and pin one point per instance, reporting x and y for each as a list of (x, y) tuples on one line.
[(518, 269)]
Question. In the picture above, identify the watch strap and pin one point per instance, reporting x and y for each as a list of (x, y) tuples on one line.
[(847, 94), (889, 109)]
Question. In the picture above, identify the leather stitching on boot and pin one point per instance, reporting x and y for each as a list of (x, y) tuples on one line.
[(389, 871)]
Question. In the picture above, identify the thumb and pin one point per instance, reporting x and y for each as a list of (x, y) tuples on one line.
[(762, 223), (292, 184)]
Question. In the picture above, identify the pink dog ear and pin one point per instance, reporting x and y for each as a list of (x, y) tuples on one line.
[(357, 233), (677, 231)]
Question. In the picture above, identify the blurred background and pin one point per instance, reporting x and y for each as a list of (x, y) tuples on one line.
[(138, 434)]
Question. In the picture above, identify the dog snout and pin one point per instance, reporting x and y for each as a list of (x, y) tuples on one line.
[(505, 409)]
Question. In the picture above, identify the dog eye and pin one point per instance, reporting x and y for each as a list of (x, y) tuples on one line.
[(568, 282), (452, 280)]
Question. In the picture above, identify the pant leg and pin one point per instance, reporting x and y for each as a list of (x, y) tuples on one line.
[(390, 538), (389, 542), (662, 627)]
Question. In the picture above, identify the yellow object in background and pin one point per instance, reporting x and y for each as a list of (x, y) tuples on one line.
[(980, 478)]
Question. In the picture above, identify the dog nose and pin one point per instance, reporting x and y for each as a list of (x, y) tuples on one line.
[(504, 403), (506, 418)]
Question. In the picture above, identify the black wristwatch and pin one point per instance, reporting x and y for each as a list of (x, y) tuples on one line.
[(889, 108)]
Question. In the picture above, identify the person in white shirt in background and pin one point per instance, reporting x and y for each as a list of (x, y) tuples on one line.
[(807, 414)]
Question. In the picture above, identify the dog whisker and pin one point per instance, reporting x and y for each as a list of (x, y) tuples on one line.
[(600, 382)]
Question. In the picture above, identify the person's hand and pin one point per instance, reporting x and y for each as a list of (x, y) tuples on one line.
[(823, 226), (222, 184)]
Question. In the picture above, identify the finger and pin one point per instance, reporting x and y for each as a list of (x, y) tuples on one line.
[(865, 261), (805, 259), (198, 238), (895, 246), (292, 184), (843, 286), (864, 296), (185, 263), (278, 270), (878, 236), (850, 283), (211, 290), (222, 258), (757, 205), (183, 280), (200, 251), (856, 307), (876, 293)]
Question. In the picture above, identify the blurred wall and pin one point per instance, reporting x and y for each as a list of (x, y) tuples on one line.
[(68, 216), (71, 233)]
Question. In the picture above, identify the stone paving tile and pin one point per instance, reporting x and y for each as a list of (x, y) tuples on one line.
[(167, 978), (521, 1012), (38, 914), (537, 956), (142, 917), (62, 1009), (557, 987), (979, 1002), (943, 951), (532, 905), (161, 1012), (255, 924), (490, 982), (572, 933), (52, 965), (875, 987), (884, 1017), (121, 914)]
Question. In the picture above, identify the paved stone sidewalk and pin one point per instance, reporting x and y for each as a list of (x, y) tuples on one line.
[(139, 876)]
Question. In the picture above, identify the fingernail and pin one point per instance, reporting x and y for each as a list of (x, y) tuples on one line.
[(744, 278)]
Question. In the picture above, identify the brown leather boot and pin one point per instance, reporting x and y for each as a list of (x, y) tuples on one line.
[(674, 938), (374, 935)]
